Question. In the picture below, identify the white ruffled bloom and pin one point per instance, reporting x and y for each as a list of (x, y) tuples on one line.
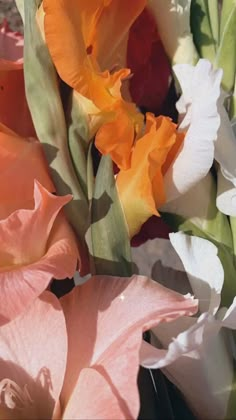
[(197, 355)]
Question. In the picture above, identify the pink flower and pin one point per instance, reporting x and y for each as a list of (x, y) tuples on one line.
[(38, 246), (78, 358)]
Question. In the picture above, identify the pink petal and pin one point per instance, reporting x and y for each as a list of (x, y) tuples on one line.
[(93, 405), (36, 248), (11, 44), (105, 319), (33, 355)]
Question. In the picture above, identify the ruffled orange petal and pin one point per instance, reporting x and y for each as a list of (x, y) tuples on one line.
[(21, 161), (105, 320), (141, 187), (116, 137), (37, 247), (33, 360)]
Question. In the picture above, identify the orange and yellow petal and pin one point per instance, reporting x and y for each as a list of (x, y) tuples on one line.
[(141, 187), (116, 137)]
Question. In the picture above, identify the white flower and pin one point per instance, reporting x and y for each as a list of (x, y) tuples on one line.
[(196, 353)]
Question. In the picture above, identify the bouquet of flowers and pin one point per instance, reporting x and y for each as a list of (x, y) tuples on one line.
[(118, 210)]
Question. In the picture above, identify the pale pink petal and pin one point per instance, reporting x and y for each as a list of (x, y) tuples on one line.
[(105, 320), (36, 249), (101, 404), (33, 356)]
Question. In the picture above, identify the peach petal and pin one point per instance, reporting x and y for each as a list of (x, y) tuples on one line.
[(33, 357), (105, 319), (99, 405), (36, 249), (21, 160)]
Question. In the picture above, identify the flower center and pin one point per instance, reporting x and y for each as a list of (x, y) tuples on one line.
[(12, 396)]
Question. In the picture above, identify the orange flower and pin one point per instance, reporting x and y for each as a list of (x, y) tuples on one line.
[(141, 187), (84, 39)]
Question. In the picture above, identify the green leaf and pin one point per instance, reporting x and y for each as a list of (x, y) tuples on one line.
[(201, 29), (225, 253), (226, 54), (108, 239), (78, 140), (45, 104)]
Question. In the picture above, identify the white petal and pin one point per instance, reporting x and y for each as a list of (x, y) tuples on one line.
[(195, 203), (178, 41), (203, 267), (179, 337), (148, 254), (226, 195), (229, 319), (225, 147), (200, 94), (205, 378), (192, 362)]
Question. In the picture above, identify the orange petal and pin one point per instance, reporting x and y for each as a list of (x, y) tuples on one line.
[(94, 28), (109, 39), (64, 25), (36, 249), (117, 136), (21, 161), (105, 320), (33, 359), (141, 187)]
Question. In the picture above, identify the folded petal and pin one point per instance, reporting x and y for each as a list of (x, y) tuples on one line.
[(37, 247), (33, 360), (113, 312), (141, 187), (203, 267), (21, 160), (200, 121), (194, 353)]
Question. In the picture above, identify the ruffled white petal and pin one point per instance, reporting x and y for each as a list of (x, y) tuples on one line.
[(203, 267), (200, 120)]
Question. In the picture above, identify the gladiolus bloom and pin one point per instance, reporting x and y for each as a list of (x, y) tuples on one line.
[(87, 61), (78, 358), (37, 245)]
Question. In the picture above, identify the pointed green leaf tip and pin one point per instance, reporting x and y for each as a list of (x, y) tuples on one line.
[(108, 239)]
